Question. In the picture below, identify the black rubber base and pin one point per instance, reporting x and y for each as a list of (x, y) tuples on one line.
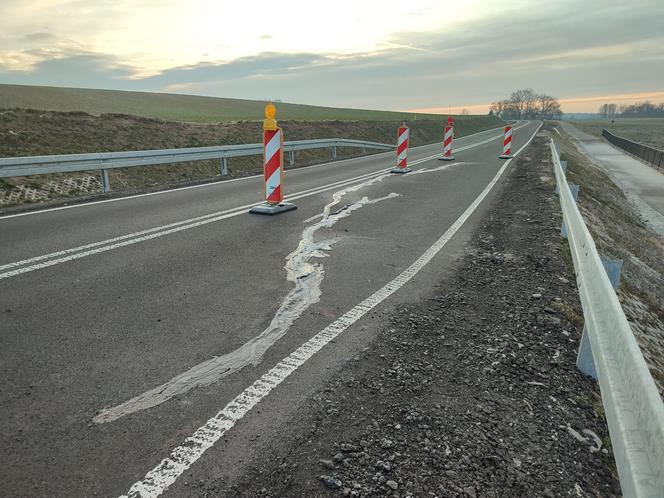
[(400, 171), (450, 158), (272, 209)]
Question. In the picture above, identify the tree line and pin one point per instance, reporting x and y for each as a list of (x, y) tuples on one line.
[(527, 104), (639, 110)]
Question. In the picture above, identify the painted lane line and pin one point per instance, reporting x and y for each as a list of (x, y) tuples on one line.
[(166, 227), (184, 224), (152, 233), (307, 278), (155, 234), (232, 180), (181, 458)]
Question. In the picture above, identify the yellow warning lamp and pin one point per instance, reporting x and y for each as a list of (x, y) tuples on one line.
[(270, 121)]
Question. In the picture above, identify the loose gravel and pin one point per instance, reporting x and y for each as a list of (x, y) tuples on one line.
[(472, 392)]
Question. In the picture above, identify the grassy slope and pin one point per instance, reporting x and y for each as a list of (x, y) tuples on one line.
[(175, 107), (649, 131), (32, 132)]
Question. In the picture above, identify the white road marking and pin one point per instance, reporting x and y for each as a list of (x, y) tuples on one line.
[(151, 233), (212, 184), (79, 252), (181, 458), (307, 279), (306, 291)]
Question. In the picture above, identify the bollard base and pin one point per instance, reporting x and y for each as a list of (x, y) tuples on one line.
[(401, 171), (272, 209), (505, 156), (447, 158)]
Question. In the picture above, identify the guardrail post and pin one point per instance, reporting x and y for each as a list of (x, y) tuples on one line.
[(224, 167), (584, 360), (291, 157), (105, 184), (575, 193), (334, 152), (364, 150)]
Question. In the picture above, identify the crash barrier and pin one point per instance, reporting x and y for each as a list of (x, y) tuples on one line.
[(103, 161), (649, 155), (609, 352)]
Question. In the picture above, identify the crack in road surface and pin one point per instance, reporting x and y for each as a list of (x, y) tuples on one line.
[(181, 458), (307, 278)]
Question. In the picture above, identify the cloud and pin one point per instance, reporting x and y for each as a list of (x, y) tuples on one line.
[(37, 37), (565, 48), (79, 69)]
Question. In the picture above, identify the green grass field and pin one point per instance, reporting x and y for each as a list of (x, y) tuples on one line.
[(649, 131), (176, 107)]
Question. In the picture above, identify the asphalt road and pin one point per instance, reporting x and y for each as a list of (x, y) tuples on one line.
[(170, 281)]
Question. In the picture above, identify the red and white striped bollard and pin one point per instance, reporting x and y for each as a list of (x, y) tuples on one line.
[(273, 166), (403, 135), (448, 137), (507, 143)]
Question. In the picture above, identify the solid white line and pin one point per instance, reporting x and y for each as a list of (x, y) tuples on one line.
[(153, 233), (181, 458), (79, 252), (212, 184)]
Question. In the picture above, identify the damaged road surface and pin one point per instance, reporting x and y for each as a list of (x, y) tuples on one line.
[(471, 391), (363, 344)]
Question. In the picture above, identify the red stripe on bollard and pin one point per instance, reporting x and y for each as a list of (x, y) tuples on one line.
[(507, 143)]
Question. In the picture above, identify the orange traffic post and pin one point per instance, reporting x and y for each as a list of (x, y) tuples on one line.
[(273, 167)]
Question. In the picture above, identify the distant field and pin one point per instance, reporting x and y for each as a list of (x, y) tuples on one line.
[(649, 131), (175, 107)]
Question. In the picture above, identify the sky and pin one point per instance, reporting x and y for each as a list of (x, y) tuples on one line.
[(425, 55)]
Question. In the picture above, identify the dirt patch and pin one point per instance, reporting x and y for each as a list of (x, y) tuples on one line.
[(472, 392), (33, 132)]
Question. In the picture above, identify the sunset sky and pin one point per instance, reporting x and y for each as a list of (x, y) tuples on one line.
[(417, 55)]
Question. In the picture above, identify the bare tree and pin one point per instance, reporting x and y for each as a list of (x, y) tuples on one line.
[(526, 104), (549, 107), (611, 110)]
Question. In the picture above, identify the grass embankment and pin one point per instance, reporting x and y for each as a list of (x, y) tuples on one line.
[(177, 107), (619, 233), (648, 131), (32, 132)]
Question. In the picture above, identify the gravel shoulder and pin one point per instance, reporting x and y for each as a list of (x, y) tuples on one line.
[(471, 392)]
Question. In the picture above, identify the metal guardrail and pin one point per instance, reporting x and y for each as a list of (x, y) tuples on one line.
[(650, 155), (634, 410), (39, 165)]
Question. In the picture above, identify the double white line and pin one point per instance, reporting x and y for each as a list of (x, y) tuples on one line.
[(51, 259)]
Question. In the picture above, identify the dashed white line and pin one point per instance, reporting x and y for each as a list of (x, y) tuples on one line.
[(181, 458)]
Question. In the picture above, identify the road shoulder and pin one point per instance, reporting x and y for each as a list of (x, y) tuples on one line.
[(472, 391)]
